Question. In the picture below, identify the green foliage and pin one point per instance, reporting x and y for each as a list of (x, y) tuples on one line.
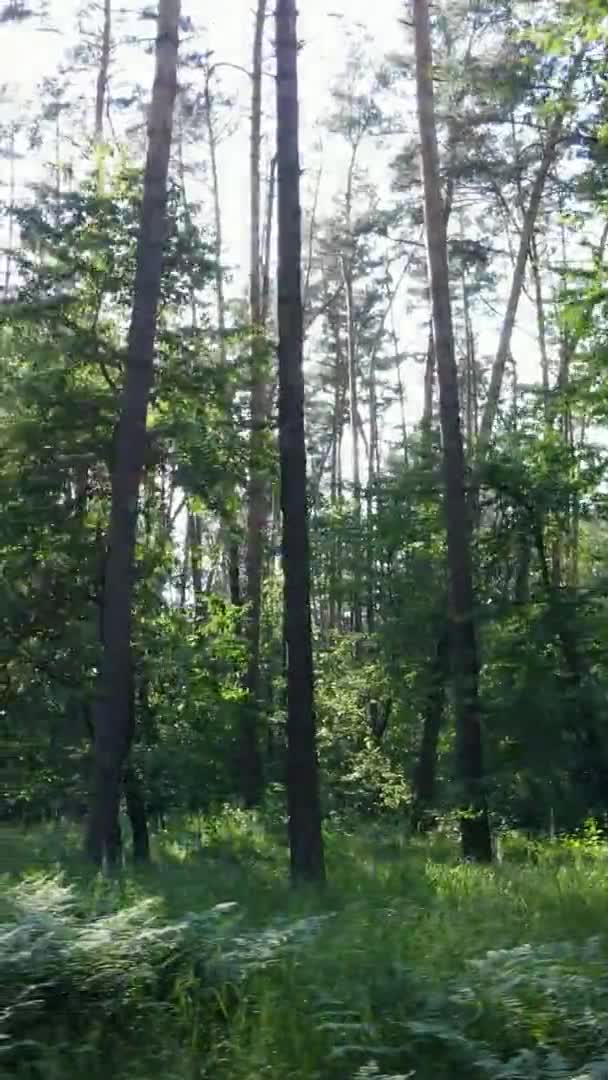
[(205, 965)]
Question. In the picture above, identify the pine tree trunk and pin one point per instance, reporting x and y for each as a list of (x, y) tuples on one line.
[(230, 525), (104, 69), (475, 831), (113, 713), (429, 386), (304, 808), (541, 322), (357, 621), (250, 759)]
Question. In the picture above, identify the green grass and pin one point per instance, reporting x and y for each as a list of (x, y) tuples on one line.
[(207, 965)]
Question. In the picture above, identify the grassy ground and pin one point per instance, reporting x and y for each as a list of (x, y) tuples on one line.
[(206, 965)]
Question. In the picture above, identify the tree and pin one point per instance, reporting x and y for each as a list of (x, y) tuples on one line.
[(257, 494), (475, 832), (113, 717), (526, 240), (305, 837), (104, 71)]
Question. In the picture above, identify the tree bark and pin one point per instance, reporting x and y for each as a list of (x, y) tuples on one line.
[(230, 525), (10, 213), (136, 812), (475, 830), (351, 358), (250, 758), (303, 799), (104, 69), (541, 322), (194, 540), (424, 781), (112, 713)]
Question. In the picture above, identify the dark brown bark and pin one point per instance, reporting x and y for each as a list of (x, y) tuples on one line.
[(475, 830), (303, 800), (113, 713), (250, 758), (234, 571), (136, 812)]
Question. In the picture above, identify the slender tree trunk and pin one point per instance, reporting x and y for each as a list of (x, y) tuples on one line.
[(357, 621), (136, 812), (10, 213), (429, 386), (469, 367), (113, 713), (104, 70), (541, 323), (373, 469), (251, 771), (218, 245), (268, 240), (230, 525), (400, 388), (184, 575), (424, 780), (304, 808), (194, 541), (334, 497), (475, 830), (526, 236)]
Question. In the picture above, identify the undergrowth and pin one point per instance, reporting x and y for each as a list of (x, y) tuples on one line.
[(206, 965)]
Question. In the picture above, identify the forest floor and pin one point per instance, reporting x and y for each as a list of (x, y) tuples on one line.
[(206, 964)]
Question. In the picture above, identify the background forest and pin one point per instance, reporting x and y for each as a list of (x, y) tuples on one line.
[(304, 542)]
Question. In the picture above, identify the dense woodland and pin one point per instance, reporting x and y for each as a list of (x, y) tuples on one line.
[(304, 547)]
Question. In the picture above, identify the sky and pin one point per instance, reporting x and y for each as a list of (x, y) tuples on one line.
[(226, 27)]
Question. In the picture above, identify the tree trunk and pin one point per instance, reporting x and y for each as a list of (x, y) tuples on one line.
[(400, 389), (541, 323), (250, 759), (10, 209), (136, 812), (265, 302), (113, 713), (303, 799), (194, 541), (469, 373), (218, 247), (104, 69), (429, 386), (425, 773), (475, 830), (357, 621), (230, 528)]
